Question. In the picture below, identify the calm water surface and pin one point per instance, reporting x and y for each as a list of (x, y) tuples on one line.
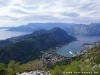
[(4, 34), (76, 45)]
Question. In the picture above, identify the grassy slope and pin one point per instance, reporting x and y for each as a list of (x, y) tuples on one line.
[(89, 62)]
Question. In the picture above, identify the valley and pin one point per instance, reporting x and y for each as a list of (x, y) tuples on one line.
[(48, 50), (24, 49), (49, 37)]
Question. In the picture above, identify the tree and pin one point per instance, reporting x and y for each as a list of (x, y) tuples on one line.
[(13, 68), (57, 70), (2, 69), (73, 69), (34, 65)]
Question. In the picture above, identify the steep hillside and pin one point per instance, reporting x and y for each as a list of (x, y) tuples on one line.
[(22, 37), (30, 48), (90, 30), (86, 64)]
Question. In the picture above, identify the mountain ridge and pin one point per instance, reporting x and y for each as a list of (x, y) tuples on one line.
[(92, 29), (30, 48)]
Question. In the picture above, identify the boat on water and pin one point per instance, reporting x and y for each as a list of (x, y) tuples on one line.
[(71, 52)]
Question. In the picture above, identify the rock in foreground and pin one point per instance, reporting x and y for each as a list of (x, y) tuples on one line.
[(35, 73)]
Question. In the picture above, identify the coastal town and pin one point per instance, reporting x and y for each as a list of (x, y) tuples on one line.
[(85, 47), (51, 57)]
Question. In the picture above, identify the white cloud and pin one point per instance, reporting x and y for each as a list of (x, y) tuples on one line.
[(4, 3), (17, 12)]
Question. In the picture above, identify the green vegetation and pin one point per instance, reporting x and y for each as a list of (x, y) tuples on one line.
[(29, 47), (2, 69), (13, 67), (87, 64)]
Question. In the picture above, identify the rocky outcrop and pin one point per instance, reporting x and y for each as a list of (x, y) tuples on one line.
[(35, 73)]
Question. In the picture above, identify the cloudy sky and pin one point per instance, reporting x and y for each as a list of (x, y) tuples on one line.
[(20, 12)]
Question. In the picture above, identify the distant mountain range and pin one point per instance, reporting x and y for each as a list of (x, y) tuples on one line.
[(28, 47), (37, 26), (92, 29)]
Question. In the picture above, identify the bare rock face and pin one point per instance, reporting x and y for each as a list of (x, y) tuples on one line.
[(35, 73)]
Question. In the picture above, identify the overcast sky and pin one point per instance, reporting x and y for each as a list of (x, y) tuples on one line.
[(20, 12)]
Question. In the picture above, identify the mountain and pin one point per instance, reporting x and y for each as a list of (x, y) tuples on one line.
[(86, 64), (92, 29), (21, 37), (30, 48), (31, 27)]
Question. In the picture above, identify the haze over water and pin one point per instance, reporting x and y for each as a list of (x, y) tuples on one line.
[(4, 34)]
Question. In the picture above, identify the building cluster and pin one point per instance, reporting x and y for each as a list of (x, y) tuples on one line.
[(51, 57)]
